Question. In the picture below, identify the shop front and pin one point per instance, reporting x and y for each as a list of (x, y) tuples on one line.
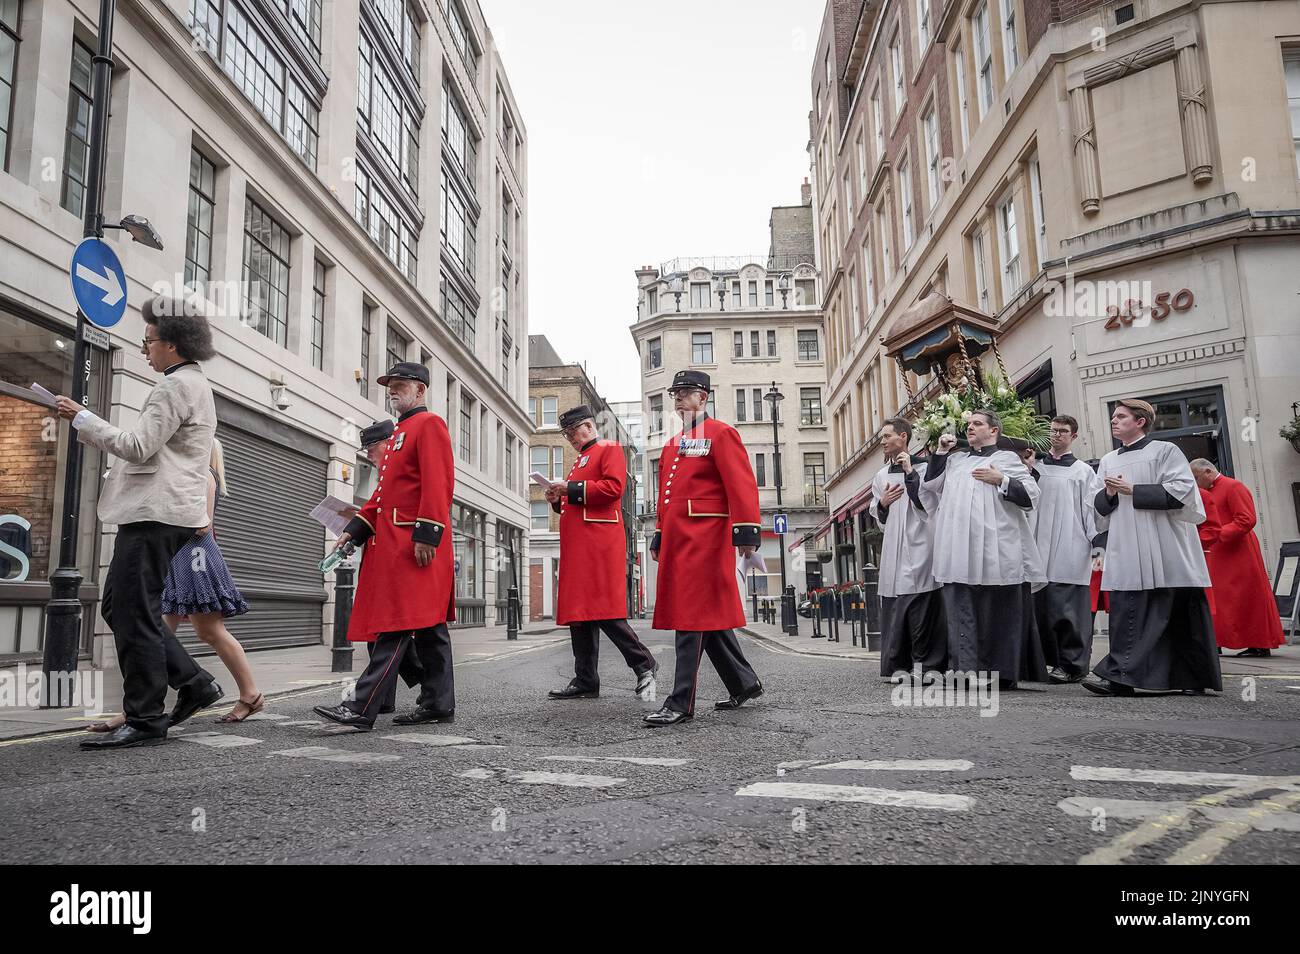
[(469, 540), (509, 563), (33, 450)]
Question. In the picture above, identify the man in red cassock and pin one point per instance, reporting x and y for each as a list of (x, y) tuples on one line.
[(593, 559), (406, 597), (1245, 613), (707, 508)]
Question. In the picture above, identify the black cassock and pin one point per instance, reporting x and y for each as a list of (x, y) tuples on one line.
[(1007, 611), (1161, 640)]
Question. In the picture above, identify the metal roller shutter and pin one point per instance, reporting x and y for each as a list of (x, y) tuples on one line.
[(267, 537)]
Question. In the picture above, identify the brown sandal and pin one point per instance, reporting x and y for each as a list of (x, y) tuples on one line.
[(254, 707)]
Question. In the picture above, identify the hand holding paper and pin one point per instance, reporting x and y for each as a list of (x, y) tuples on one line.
[(751, 561)]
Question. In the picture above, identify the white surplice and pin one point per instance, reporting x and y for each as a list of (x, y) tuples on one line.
[(1148, 549), (907, 549), (980, 537), (1064, 520)]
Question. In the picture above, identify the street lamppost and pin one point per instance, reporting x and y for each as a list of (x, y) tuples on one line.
[(775, 397), (676, 288), (63, 612), (783, 283), (720, 287)]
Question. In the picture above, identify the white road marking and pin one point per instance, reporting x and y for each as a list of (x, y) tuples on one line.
[(340, 730), (323, 754), (902, 765), (428, 738), (1092, 773), (564, 779), (858, 793), (303, 722), (629, 759), (800, 763), (219, 740), (1139, 808), (266, 717), (1209, 845)]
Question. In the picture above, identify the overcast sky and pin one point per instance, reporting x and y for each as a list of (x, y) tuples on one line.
[(655, 130)]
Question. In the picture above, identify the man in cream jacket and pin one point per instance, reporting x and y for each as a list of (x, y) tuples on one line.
[(156, 493)]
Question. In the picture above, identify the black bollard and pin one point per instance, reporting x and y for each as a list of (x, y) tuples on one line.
[(872, 608), (341, 651), (512, 612)]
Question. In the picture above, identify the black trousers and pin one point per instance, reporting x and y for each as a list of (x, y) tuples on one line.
[(724, 652), (914, 630), (585, 637), (1064, 615), (379, 681), (992, 629), (411, 673), (1161, 640), (149, 654)]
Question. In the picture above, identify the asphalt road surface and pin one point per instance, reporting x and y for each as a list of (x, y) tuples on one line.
[(825, 767)]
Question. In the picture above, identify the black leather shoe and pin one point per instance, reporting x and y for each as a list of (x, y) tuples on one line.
[(1104, 687), (735, 702), (123, 737), (1061, 677), (387, 710), (188, 703), (421, 715), (573, 691), (665, 716), (344, 716)]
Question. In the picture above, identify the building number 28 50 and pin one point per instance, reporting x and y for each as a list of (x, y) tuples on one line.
[(1117, 317)]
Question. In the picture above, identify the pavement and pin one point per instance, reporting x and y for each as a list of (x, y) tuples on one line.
[(830, 764)]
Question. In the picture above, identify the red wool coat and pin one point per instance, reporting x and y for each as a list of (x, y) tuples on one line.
[(593, 542), (707, 506), (411, 503), (1245, 614)]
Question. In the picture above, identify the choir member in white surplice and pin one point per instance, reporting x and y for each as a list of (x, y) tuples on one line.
[(1064, 523), (912, 630), (1161, 634), (984, 553)]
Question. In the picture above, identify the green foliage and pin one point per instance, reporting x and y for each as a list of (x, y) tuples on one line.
[(948, 413), (1291, 429)]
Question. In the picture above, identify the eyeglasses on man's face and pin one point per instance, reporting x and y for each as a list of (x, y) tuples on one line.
[(145, 343)]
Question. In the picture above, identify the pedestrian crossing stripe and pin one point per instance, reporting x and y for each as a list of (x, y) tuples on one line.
[(563, 779), (629, 759), (900, 765), (429, 738), (219, 740), (322, 753), (806, 791), (1093, 773)]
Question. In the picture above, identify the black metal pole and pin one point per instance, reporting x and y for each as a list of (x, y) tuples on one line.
[(788, 623), (341, 650), (63, 612)]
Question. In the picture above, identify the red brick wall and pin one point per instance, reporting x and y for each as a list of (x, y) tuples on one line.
[(28, 470)]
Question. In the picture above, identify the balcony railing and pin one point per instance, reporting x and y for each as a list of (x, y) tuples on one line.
[(731, 263)]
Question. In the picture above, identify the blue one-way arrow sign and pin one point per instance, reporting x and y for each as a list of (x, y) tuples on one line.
[(779, 523), (98, 283)]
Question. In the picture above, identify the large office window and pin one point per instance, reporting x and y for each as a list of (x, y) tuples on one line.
[(466, 427), (76, 146), (896, 74), (377, 213), (385, 113), (1009, 55), (810, 406), (458, 311), (931, 129), (702, 347), (304, 15), (1009, 242), (905, 198), (983, 57), (249, 59), (318, 315), (9, 18), (1292, 62), (457, 225), (458, 136), (396, 346), (266, 273), (814, 479), (461, 36), (367, 327), (550, 409), (809, 346), (198, 218)]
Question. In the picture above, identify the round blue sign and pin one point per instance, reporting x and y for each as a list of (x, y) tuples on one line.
[(98, 282)]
